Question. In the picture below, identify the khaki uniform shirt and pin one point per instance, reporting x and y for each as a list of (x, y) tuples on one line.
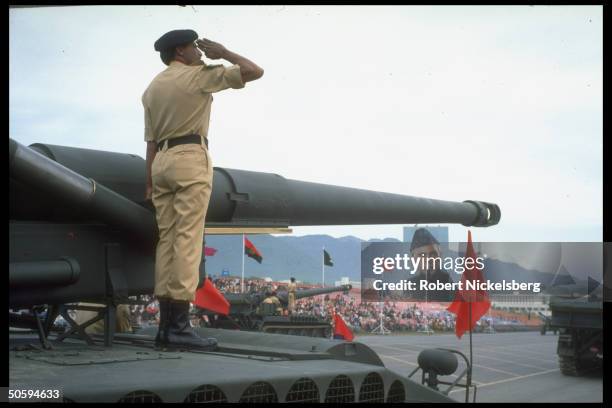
[(178, 100)]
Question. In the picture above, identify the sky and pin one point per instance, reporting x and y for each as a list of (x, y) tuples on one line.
[(495, 103)]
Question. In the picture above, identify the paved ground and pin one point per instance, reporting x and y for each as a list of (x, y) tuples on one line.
[(508, 367)]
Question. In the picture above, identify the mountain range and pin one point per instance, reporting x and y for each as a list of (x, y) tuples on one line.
[(288, 256), (302, 258)]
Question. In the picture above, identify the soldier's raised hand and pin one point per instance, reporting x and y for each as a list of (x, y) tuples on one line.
[(212, 50)]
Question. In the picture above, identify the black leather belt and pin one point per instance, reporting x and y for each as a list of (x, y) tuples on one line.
[(189, 139)]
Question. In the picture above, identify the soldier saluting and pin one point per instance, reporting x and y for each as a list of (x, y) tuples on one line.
[(179, 169)]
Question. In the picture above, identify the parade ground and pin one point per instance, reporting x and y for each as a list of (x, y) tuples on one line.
[(508, 367)]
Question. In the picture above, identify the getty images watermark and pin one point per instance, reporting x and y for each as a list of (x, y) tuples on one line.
[(431, 265), (509, 272)]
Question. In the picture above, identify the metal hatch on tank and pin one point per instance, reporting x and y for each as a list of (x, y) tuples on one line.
[(80, 232)]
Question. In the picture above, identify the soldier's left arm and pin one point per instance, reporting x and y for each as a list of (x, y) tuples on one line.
[(249, 71)]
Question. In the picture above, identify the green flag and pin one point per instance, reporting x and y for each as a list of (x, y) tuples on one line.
[(327, 260)]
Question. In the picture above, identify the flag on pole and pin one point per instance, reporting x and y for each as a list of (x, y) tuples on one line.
[(327, 260), (209, 298), (251, 251), (209, 251), (478, 299), (341, 330)]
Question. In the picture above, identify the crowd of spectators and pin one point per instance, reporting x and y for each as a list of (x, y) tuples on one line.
[(366, 316), (362, 317), (232, 285)]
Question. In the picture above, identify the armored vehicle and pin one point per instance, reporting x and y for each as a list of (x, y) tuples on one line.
[(545, 327), (577, 313), (248, 312), (79, 231)]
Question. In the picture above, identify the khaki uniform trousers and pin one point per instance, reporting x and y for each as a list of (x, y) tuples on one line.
[(182, 184), (291, 297), (291, 301), (122, 320)]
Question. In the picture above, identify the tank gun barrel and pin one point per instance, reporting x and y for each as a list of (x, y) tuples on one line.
[(62, 272), (110, 188), (301, 294), (238, 301)]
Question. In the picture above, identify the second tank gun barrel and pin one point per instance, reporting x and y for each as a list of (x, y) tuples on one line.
[(283, 296), (247, 302)]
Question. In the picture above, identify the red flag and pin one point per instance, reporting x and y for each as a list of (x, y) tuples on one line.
[(341, 330), (208, 297), (251, 251), (479, 299), (209, 251)]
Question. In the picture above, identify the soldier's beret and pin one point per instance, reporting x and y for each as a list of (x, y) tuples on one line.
[(175, 38), (421, 238)]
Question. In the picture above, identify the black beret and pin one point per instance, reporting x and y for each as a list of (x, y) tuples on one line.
[(421, 238), (175, 38)]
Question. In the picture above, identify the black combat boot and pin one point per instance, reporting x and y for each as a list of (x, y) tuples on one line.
[(180, 335), (162, 333)]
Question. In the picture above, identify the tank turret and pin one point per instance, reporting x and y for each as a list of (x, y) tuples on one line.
[(248, 312)]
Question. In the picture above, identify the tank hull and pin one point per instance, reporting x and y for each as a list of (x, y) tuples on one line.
[(249, 367), (580, 326)]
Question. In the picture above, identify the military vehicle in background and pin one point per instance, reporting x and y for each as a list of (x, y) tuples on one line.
[(577, 313), (80, 231), (248, 312), (545, 326)]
